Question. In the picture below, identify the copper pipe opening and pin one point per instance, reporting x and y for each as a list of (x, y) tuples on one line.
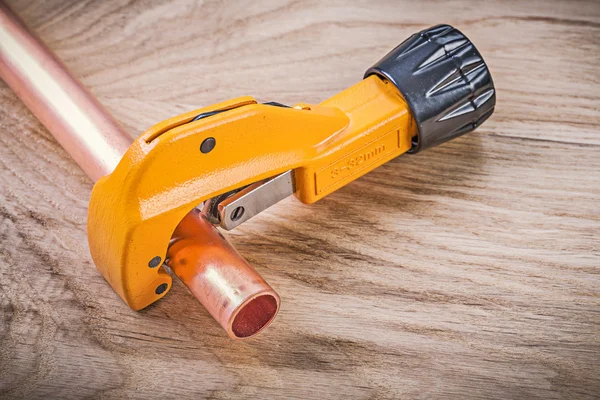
[(254, 316), (219, 277)]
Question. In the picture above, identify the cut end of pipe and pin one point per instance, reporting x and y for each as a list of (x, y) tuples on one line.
[(219, 277), (254, 315)]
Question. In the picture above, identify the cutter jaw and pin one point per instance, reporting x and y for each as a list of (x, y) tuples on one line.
[(134, 211)]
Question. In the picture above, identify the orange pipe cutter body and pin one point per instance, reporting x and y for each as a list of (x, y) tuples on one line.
[(164, 174)]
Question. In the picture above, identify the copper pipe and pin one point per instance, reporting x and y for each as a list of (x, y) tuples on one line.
[(217, 275), (230, 289), (92, 137)]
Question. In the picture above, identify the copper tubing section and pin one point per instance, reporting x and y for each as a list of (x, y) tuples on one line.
[(230, 289), (75, 118), (217, 275)]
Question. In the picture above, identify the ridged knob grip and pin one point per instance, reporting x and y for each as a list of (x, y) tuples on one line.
[(445, 82)]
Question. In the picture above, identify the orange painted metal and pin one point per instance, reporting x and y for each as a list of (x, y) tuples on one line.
[(164, 174), (134, 211), (77, 120)]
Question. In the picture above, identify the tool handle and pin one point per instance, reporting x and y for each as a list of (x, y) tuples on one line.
[(445, 82)]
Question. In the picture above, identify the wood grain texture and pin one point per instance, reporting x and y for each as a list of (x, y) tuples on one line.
[(468, 271)]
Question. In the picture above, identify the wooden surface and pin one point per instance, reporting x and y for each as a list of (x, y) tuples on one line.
[(468, 271)]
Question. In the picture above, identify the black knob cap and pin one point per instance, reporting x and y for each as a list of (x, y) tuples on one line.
[(445, 82)]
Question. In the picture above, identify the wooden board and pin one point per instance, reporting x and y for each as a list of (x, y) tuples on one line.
[(468, 271)]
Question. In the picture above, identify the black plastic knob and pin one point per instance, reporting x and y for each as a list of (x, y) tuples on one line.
[(445, 82)]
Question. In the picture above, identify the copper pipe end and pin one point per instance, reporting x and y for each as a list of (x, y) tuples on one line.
[(219, 277)]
